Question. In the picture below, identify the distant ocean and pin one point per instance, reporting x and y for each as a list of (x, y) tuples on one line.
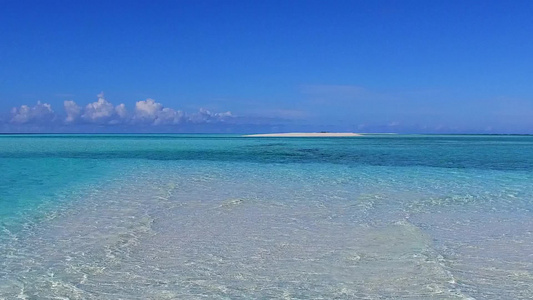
[(230, 217)]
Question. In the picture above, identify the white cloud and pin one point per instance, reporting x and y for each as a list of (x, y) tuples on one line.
[(152, 112), (169, 116), (206, 116), (41, 112), (147, 112), (99, 111), (72, 110), (121, 111)]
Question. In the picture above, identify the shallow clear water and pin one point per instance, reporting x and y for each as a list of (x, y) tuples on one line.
[(225, 217)]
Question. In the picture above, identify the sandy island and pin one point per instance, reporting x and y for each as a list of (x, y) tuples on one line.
[(304, 134)]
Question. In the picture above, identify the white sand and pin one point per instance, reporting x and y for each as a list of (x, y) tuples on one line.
[(305, 134)]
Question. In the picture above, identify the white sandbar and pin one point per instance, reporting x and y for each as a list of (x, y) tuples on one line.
[(305, 134)]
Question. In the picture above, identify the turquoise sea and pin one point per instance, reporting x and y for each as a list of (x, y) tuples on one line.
[(230, 217)]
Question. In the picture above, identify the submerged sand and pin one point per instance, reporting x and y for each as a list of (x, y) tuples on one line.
[(306, 134)]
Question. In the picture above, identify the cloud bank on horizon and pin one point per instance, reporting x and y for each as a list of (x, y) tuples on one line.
[(323, 108), (102, 112)]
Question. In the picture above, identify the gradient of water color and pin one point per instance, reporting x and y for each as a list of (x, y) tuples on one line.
[(227, 217)]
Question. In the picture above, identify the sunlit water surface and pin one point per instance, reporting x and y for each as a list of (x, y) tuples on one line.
[(225, 217)]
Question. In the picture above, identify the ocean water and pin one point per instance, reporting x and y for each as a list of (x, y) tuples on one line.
[(229, 217)]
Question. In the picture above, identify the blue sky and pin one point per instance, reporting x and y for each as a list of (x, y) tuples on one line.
[(266, 66)]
